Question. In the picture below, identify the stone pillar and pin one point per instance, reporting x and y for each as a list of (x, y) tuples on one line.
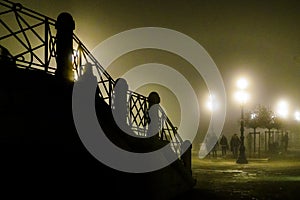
[(64, 46), (120, 104), (154, 121)]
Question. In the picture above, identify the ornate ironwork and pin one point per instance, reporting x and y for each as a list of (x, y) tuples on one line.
[(31, 35)]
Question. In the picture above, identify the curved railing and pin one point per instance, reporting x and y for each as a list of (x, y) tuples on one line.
[(138, 104), (32, 36)]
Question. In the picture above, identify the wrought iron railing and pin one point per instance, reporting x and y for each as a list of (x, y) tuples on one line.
[(138, 104), (169, 132), (31, 36), (34, 47)]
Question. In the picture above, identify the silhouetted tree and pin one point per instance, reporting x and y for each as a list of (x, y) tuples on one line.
[(261, 117), (252, 119)]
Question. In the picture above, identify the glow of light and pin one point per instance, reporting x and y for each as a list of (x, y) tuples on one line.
[(242, 83), (253, 115), (242, 96), (75, 56), (282, 109), (209, 103), (297, 116)]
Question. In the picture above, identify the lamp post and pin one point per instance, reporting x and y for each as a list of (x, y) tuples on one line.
[(242, 97)]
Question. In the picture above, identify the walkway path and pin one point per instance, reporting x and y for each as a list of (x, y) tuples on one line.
[(219, 178)]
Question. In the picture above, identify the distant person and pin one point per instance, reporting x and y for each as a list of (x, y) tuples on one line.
[(234, 145), (224, 145), (215, 150), (285, 141)]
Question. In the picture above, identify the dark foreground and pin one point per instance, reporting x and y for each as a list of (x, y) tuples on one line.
[(219, 178)]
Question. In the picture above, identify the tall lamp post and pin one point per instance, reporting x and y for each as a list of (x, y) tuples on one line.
[(242, 97)]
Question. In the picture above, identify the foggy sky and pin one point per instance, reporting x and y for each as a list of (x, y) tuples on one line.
[(257, 39)]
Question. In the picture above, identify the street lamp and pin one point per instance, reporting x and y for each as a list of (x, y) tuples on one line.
[(210, 104), (282, 109), (242, 96)]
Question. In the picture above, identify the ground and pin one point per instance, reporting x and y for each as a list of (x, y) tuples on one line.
[(273, 177)]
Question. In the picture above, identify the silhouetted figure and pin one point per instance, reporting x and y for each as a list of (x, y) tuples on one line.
[(152, 115), (224, 145), (215, 150), (285, 141), (234, 145)]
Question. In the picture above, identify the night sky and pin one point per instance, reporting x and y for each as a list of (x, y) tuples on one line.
[(256, 39)]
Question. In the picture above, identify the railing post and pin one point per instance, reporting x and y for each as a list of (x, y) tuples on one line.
[(120, 105), (145, 122), (46, 45), (153, 112), (110, 90), (79, 70), (64, 46)]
